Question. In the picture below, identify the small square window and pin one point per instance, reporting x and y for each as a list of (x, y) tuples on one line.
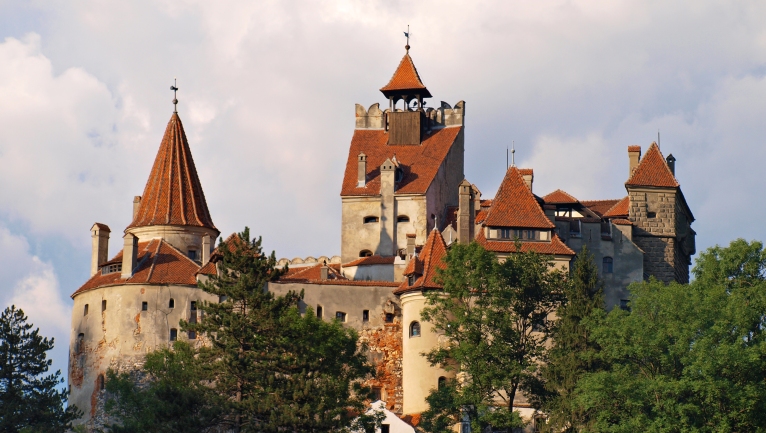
[(389, 318), (651, 214), (377, 393), (173, 334), (192, 254), (625, 304), (366, 316), (385, 428), (144, 306), (192, 335), (340, 316)]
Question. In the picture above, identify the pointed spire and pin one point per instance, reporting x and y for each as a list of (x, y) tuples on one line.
[(514, 205), (653, 170), (173, 194), (424, 267), (406, 80)]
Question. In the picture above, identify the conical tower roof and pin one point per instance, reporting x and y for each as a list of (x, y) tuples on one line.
[(514, 205), (406, 80), (173, 194)]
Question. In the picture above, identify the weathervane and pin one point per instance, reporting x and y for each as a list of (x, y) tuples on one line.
[(407, 35), (174, 88)]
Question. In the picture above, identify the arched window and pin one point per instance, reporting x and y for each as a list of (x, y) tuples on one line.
[(172, 303), (415, 329), (85, 310), (365, 253), (442, 382), (100, 382), (173, 334), (608, 265), (371, 219), (402, 219)]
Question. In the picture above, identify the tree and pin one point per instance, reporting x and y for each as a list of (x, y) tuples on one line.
[(264, 367), (493, 316), (686, 358), (573, 352), (29, 400)]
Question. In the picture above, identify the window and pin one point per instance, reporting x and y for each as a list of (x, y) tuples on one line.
[(340, 316), (411, 280), (377, 393), (103, 305), (415, 329), (192, 254), (389, 318), (371, 219), (222, 299), (574, 229), (193, 313), (442, 382), (319, 311), (608, 265), (194, 305), (366, 316), (625, 304), (402, 219), (385, 428), (365, 253), (651, 214), (173, 334), (85, 310), (144, 306), (504, 233), (100, 382), (108, 269), (172, 303), (192, 335), (80, 346)]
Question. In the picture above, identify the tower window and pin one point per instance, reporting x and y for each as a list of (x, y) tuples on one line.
[(340, 316), (194, 305), (173, 334), (144, 306), (389, 318), (80, 346), (441, 382), (192, 254), (625, 304), (411, 280), (100, 382), (415, 329), (608, 265), (377, 393), (103, 305), (319, 311), (366, 316), (85, 310), (192, 335), (365, 253), (651, 214), (385, 428), (402, 219), (371, 219), (172, 303)]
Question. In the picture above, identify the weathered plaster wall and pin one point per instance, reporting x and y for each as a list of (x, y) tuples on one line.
[(120, 336), (444, 189)]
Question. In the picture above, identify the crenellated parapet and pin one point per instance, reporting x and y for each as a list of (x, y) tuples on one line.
[(443, 116), (308, 261)]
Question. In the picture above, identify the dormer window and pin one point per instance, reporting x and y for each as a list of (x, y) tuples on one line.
[(371, 219), (109, 269), (411, 280), (192, 254)]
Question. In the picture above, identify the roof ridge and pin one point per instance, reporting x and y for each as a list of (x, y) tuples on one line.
[(562, 192), (514, 205)]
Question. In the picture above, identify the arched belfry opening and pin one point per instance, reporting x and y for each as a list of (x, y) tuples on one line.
[(406, 125)]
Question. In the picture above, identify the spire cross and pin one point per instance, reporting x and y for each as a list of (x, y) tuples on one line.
[(174, 88), (407, 35)]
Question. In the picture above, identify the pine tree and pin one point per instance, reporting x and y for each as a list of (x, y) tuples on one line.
[(573, 352), (29, 400)]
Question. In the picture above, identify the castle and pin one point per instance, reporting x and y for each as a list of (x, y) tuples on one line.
[(404, 201)]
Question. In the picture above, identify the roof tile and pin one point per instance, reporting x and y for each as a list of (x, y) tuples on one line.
[(619, 209), (555, 246), (432, 259), (560, 197), (405, 77), (599, 207), (514, 205), (652, 170)]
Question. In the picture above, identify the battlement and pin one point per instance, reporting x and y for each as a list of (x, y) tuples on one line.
[(444, 116), (308, 261)]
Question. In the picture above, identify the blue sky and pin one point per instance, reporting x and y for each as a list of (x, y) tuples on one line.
[(267, 94)]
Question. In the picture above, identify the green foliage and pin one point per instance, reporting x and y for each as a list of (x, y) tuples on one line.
[(264, 367), (29, 400), (494, 318), (686, 358), (573, 352), (169, 395)]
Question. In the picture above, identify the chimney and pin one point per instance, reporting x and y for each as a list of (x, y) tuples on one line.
[(476, 200), (465, 213), (410, 245), (671, 160), (100, 249), (361, 177), (528, 175), (136, 205), (634, 156), (323, 271), (205, 249), (129, 255)]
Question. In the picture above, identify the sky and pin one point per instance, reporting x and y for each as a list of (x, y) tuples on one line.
[(267, 94)]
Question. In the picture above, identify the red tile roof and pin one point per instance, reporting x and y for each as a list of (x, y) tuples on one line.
[(555, 246), (158, 263), (481, 216), (514, 205), (173, 194), (312, 273), (432, 258), (419, 163), (103, 227), (622, 222), (372, 260), (634, 148), (406, 77), (599, 207), (619, 209), (560, 197), (652, 170), (208, 269)]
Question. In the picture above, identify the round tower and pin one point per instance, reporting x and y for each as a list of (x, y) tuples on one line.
[(133, 303), (418, 376)]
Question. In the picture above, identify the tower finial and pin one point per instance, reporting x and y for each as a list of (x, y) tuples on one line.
[(407, 35), (513, 153), (174, 88)]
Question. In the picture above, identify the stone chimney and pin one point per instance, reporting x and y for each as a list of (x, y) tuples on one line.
[(476, 200), (634, 156), (136, 205), (129, 255), (361, 177), (387, 243), (671, 160), (528, 175), (205, 249), (465, 213), (100, 249), (324, 271), (410, 246)]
